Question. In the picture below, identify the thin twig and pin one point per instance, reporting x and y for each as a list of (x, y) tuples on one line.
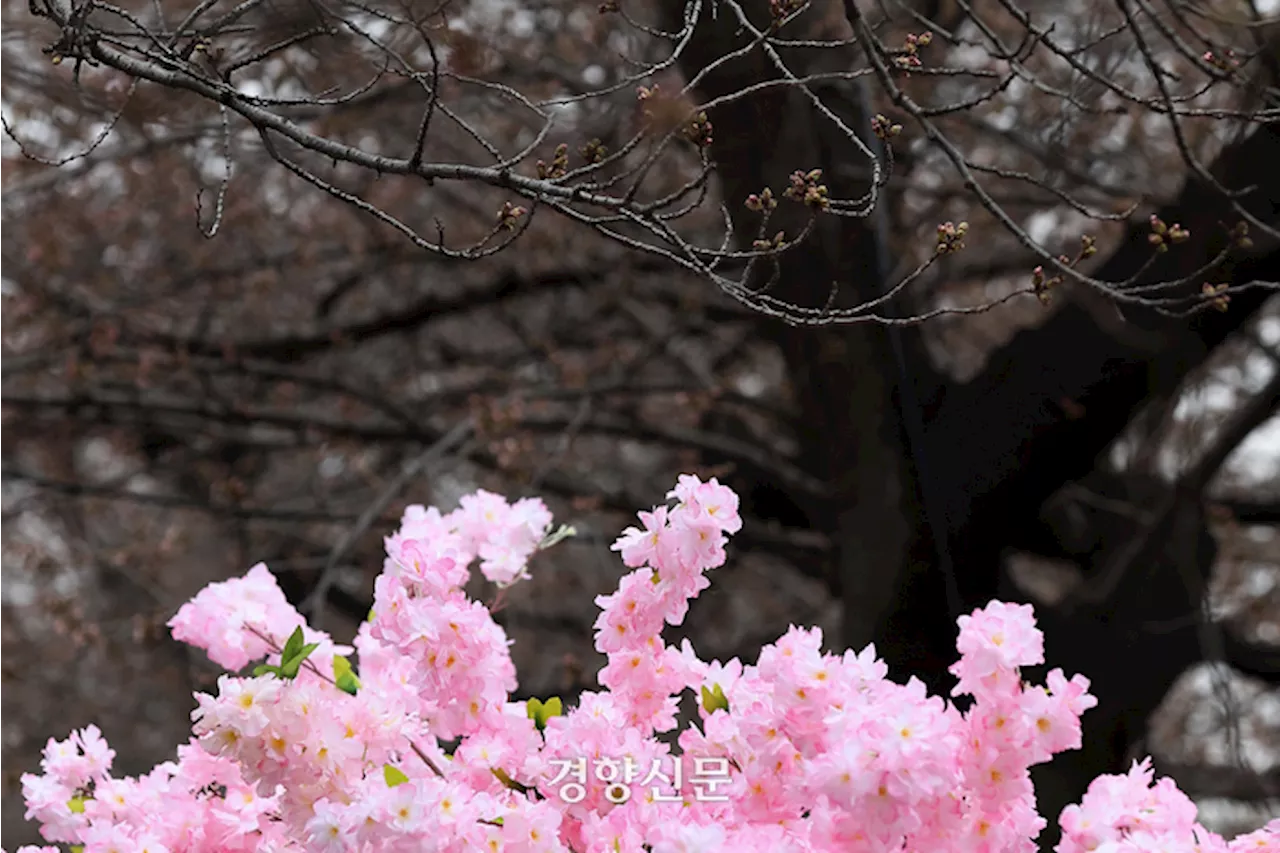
[(313, 605)]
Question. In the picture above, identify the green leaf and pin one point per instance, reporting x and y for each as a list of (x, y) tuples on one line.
[(76, 848), (300, 655), (290, 667), (266, 669), (714, 699), (393, 775), (76, 804), (540, 711), (370, 614), (293, 645), (343, 676), (508, 781), (556, 537)]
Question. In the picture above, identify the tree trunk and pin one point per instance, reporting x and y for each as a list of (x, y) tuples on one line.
[(851, 426), (995, 448)]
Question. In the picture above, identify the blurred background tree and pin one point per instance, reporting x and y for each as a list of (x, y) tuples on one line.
[(966, 299)]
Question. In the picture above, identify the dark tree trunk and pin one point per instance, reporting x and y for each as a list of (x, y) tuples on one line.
[(996, 448), (850, 425), (1133, 645), (1055, 397)]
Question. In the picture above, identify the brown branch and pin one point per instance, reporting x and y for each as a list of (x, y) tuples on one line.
[(1099, 592), (313, 606), (510, 284), (246, 513)]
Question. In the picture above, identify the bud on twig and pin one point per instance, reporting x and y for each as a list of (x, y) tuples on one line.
[(559, 164), (1042, 283), (883, 128), (779, 241), (1240, 234), (762, 202), (1216, 295), (509, 214), (1040, 286), (909, 56), (1162, 235), (593, 152), (698, 131), (806, 189), (951, 237), (779, 10), (1224, 62)]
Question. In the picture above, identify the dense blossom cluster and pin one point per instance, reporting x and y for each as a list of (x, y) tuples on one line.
[(824, 752)]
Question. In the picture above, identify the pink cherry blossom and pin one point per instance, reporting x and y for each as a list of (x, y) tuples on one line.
[(822, 752)]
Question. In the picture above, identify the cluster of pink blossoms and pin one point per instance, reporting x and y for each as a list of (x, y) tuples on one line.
[(825, 752)]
